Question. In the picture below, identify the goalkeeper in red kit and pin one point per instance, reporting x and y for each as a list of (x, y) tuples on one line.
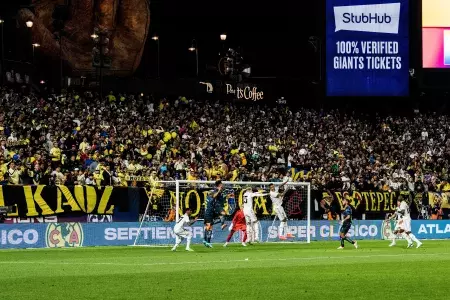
[(238, 224)]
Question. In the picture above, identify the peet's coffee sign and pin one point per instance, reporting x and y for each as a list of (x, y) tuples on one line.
[(245, 92)]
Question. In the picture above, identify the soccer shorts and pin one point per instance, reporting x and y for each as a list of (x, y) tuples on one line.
[(281, 214), (213, 211), (238, 227), (250, 216), (345, 228), (183, 233), (398, 225), (406, 226)]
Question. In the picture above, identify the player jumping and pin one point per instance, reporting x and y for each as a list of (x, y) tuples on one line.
[(238, 224), (277, 204), (250, 217), (346, 225), (180, 231), (214, 208)]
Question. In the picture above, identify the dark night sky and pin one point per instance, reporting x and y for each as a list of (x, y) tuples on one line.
[(273, 35)]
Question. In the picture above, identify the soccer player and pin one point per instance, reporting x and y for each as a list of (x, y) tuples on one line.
[(346, 225), (250, 217), (214, 208), (181, 232), (406, 223), (277, 204), (237, 224), (398, 227)]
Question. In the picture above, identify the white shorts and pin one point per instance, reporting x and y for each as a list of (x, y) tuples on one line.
[(398, 226), (183, 233), (281, 214), (250, 216), (406, 226)]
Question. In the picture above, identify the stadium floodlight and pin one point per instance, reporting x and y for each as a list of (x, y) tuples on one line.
[(35, 45), (192, 194), (194, 48), (2, 21), (223, 37), (29, 23), (156, 39)]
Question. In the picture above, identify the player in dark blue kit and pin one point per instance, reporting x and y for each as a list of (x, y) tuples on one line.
[(214, 208), (346, 224)]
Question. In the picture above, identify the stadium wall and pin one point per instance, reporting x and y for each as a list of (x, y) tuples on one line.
[(56, 235)]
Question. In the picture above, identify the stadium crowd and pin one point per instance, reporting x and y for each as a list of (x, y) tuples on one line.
[(81, 139)]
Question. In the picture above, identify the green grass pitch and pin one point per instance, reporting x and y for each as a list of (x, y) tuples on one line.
[(264, 271)]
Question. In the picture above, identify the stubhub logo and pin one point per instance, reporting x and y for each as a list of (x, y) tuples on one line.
[(381, 18)]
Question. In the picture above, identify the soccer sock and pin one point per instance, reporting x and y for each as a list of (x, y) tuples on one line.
[(177, 241), (406, 237), (188, 242), (285, 227), (230, 235), (256, 231), (394, 238), (342, 242), (208, 236), (413, 237), (280, 230), (249, 233), (205, 235), (349, 240), (222, 219), (244, 237)]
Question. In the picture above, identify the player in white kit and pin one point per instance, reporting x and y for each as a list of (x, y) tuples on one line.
[(181, 232), (277, 204), (250, 216), (406, 224), (398, 227)]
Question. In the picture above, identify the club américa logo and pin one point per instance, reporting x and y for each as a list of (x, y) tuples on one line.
[(60, 235)]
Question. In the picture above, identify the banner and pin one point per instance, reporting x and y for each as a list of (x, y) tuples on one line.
[(58, 235), (372, 202), (431, 229), (72, 201), (367, 48), (50, 204)]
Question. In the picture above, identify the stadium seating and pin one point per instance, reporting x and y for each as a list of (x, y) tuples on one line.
[(81, 139)]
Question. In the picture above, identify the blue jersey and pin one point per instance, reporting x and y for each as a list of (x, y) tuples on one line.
[(348, 212), (219, 198), (213, 205)]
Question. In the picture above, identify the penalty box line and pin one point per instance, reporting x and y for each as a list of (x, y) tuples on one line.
[(246, 260)]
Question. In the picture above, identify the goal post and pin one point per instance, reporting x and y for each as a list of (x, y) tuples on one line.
[(170, 198), (296, 204)]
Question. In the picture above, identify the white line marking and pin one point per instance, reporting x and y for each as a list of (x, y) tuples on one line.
[(216, 261)]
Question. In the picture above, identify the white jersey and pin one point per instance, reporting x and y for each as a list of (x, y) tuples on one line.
[(398, 214), (183, 222), (248, 199), (276, 198), (405, 208)]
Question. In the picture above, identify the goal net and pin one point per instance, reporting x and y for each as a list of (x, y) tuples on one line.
[(289, 222)]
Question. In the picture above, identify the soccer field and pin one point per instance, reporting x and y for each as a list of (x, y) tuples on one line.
[(265, 271)]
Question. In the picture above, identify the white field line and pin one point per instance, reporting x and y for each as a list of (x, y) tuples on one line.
[(246, 260)]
